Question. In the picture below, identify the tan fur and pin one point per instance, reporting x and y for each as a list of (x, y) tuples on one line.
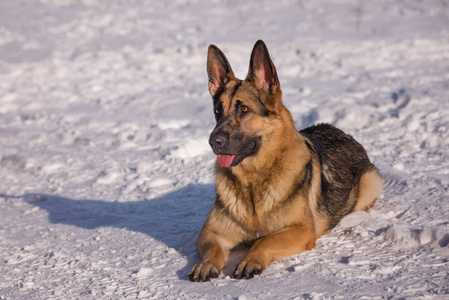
[(370, 187), (321, 224)]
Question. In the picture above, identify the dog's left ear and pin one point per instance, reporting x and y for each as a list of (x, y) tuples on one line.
[(262, 74)]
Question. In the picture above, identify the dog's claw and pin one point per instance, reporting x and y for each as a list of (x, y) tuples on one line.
[(203, 272), (247, 270)]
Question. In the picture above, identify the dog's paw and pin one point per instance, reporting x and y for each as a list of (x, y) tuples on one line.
[(247, 269), (204, 272)]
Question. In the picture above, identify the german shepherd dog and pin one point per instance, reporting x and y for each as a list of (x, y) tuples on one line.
[(278, 189)]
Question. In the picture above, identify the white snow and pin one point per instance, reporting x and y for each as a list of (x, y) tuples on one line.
[(106, 173)]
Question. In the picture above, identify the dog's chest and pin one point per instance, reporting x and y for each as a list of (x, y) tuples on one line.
[(260, 211)]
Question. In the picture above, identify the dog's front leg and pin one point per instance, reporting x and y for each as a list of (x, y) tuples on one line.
[(286, 242), (213, 249)]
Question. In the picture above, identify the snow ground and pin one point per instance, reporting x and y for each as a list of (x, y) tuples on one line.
[(105, 170)]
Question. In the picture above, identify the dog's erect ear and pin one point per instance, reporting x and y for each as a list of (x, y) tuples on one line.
[(218, 69), (262, 72)]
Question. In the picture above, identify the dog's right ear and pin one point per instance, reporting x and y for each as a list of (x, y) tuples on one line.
[(218, 69)]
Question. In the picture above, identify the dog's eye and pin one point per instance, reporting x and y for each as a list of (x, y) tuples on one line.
[(245, 109), (217, 110)]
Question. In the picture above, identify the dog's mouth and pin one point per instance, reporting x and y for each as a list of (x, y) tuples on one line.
[(230, 160), (225, 160)]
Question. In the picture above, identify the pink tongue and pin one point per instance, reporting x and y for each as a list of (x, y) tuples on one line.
[(225, 160)]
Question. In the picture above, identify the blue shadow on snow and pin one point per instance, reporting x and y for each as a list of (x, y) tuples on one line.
[(174, 219)]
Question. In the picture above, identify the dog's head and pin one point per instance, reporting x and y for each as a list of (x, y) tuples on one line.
[(245, 110)]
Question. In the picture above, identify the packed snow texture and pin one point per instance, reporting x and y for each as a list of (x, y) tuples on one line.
[(106, 173)]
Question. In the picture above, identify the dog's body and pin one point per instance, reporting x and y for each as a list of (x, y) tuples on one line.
[(278, 189)]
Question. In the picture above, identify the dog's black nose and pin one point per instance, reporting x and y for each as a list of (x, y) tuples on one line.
[(217, 141)]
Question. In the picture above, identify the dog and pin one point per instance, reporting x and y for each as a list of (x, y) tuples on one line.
[(278, 189)]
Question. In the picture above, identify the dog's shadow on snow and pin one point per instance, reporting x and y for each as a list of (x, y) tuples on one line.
[(174, 219)]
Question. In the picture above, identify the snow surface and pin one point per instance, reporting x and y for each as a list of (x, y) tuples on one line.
[(105, 170)]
